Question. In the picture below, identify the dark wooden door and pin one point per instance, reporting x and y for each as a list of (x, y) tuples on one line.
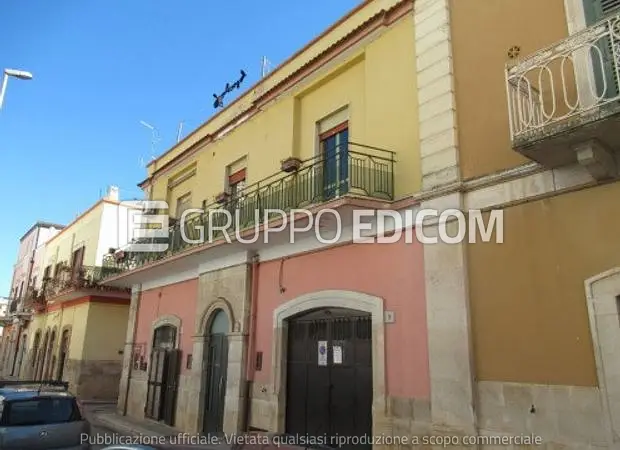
[(155, 384), (329, 375), (163, 384), (170, 386), (216, 365)]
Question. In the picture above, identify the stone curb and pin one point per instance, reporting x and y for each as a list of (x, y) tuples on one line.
[(106, 420)]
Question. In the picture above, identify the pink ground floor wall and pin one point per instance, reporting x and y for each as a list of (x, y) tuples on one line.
[(177, 300), (393, 272)]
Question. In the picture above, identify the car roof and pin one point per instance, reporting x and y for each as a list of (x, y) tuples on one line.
[(10, 394)]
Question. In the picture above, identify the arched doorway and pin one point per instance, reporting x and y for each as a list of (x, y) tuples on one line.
[(329, 387), (22, 353), (35, 353), (42, 359), (164, 371), (49, 370), (216, 364), (64, 354)]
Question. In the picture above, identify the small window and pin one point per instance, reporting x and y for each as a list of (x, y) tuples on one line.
[(40, 411)]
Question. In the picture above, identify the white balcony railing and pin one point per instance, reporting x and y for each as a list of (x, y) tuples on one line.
[(566, 81)]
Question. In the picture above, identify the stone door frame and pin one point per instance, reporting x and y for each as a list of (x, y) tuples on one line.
[(603, 299), (327, 299), (235, 370)]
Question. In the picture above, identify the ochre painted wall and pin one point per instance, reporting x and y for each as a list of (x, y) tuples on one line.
[(74, 317), (357, 17), (393, 272), (482, 34), (377, 83), (177, 299), (107, 328), (529, 311), (83, 232)]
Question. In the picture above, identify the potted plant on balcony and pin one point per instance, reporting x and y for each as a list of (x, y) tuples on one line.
[(222, 197), (290, 164), (119, 255)]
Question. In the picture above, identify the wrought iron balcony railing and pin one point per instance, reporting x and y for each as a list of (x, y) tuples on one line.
[(568, 84), (346, 171), (86, 277)]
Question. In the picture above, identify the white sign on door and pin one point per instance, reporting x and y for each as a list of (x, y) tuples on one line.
[(322, 353), (337, 354)]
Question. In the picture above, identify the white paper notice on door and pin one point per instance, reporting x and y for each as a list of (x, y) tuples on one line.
[(337, 354), (322, 353)]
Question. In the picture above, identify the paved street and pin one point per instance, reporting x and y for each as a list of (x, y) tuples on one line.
[(100, 433)]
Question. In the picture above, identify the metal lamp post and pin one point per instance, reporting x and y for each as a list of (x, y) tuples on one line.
[(20, 74)]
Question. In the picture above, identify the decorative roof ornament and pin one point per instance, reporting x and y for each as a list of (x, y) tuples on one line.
[(219, 99)]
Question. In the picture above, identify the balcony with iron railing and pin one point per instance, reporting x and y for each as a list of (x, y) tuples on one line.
[(567, 94), (354, 170), (69, 283)]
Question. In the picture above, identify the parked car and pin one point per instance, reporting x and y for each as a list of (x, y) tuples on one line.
[(37, 415)]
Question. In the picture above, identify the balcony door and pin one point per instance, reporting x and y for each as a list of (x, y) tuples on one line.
[(77, 260), (606, 76), (335, 152)]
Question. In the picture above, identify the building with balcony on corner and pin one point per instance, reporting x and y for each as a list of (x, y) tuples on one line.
[(78, 328), (30, 252), (525, 121), (211, 345), (432, 104)]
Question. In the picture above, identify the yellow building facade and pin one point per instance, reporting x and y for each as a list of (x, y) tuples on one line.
[(78, 327), (520, 331), (519, 334)]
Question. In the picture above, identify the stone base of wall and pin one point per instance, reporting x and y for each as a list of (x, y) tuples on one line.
[(567, 417), (188, 414), (138, 386), (99, 380)]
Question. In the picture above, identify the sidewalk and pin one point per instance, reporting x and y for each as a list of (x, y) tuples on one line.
[(158, 435)]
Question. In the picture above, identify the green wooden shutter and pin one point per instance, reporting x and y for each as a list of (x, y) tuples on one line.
[(597, 10)]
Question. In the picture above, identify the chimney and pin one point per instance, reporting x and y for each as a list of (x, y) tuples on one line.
[(112, 193)]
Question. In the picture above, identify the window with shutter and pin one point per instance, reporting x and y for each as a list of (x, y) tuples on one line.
[(606, 76)]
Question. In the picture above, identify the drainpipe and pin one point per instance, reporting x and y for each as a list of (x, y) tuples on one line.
[(250, 367), (131, 347)]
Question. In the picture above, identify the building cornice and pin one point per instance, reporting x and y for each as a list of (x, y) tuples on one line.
[(382, 19)]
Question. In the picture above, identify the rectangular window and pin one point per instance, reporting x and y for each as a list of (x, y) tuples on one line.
[(183, 203)]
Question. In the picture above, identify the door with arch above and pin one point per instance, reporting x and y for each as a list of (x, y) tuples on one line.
[(216, 363), (163, 378), (64, 354), (329, 387)]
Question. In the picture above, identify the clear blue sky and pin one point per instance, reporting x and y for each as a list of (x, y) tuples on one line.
[(102, 66)]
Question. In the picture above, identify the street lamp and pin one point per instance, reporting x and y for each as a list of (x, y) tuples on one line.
[(20, 74)]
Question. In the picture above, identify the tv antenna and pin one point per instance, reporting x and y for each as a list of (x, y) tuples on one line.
[(265, 67), (155, 138), (180, 131)]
